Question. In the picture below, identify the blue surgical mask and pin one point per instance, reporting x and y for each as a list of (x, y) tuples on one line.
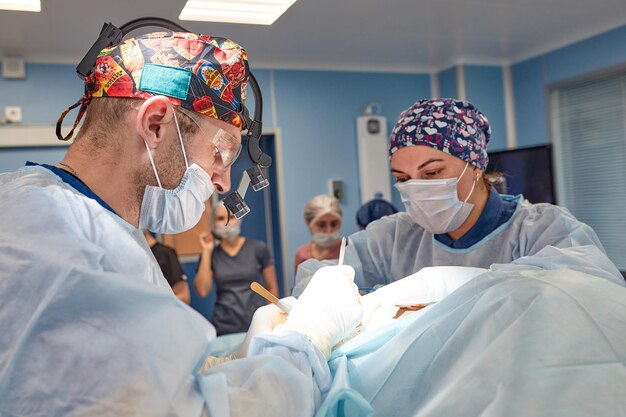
[(434, 204), (180, 209)]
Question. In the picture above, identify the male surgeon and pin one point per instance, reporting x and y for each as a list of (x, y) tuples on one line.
[(90, 327)]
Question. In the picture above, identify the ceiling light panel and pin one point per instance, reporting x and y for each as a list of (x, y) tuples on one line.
[(255, 12), (21, 5)]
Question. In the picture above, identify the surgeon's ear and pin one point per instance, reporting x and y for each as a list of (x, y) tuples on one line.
[(153, 119)]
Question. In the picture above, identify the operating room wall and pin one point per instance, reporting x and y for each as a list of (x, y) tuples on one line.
[(531, 77), (483, 86), (448, 83), (46, 91), (485, 89), (316, 113)]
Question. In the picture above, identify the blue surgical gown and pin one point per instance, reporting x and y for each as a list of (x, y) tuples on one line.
[(395, 247), (91, 328), (541, 343)]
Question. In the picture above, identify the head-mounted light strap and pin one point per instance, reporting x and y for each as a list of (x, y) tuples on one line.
[(109, 36)]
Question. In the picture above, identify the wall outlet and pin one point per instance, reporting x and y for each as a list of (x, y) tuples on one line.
[(13, 68), (336, 189), (13, 114)]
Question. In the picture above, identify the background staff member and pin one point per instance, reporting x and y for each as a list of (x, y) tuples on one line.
[(233, 265), (322, 215), (167, 259), (374, 210)]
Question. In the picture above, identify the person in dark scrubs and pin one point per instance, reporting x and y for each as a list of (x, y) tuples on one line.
[(172, 271), (232, 266)]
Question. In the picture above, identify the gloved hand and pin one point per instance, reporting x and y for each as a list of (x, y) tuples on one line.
[(377, 309), (328, 310), (264, 320)]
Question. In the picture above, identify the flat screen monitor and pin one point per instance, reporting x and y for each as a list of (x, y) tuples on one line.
[(527, 171)]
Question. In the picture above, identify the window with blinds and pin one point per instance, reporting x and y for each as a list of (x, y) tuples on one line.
[(589, 134)]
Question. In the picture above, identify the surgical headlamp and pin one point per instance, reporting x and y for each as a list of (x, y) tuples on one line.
[(111, 35)]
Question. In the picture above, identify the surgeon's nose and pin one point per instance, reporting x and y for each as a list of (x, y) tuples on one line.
[(221, 180)]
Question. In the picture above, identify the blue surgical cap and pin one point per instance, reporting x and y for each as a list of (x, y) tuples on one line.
[(374, 210)]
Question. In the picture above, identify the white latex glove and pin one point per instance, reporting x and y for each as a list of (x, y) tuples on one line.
[(264, 320), (328, 310), (428, 285), (377, 309)]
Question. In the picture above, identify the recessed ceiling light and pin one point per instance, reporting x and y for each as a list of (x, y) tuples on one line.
[(21, 5), (256, 12)]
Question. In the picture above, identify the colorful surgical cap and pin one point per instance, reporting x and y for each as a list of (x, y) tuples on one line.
[(453, 126), (200, 73)]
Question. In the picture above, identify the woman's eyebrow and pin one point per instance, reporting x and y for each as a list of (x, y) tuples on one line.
[(428, 162)]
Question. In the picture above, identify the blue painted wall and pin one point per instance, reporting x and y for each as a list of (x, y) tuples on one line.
[(601, 51), (317, 113), (13, 158), (531, 78), (530, 111), (447, 83), (484, 88), (263, 79), (44, 94)]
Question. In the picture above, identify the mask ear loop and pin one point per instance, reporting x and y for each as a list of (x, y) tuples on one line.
[(153, 166), (471, 191), (180, 137), (462, 173), (152, 159), (473, 183)]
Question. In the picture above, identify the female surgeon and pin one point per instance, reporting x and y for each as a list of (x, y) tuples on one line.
[(454, 217)]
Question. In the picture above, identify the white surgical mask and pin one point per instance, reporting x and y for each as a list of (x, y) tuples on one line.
[(180, 209), (326, 240), (227, 232), (434, 204)]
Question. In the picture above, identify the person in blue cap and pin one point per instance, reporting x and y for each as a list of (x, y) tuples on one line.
[(454, 216), (374, 210)]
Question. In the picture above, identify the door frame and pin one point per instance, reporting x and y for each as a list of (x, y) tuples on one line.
[(282, 205)]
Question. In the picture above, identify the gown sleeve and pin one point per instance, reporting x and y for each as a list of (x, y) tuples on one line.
[(369, 252), (552, 238), (84, 335)]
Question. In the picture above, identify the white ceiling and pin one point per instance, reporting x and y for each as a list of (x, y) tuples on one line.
[(387, 35)]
